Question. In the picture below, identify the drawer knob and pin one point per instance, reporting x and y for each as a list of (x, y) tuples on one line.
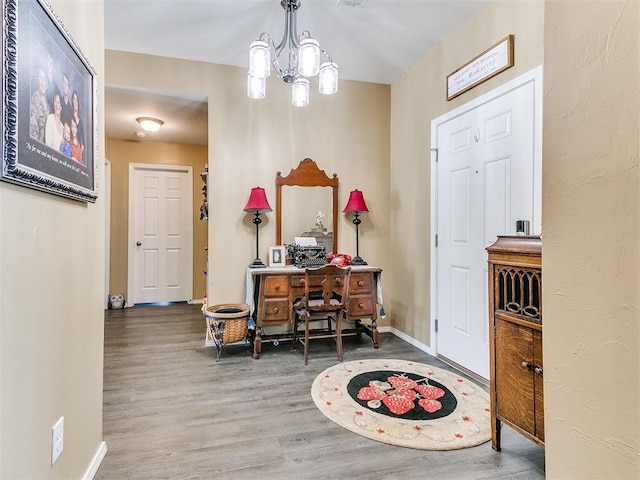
[(361, 305), (276, 309), (302, 281), (360, 283), (338, 281), (277, 286)]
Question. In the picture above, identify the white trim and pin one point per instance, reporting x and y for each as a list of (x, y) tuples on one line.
[(96, 461), (408, 339), (107, 230), (131, 278), (532, 76)]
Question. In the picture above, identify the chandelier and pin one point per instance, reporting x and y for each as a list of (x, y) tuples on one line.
[(300, 61)]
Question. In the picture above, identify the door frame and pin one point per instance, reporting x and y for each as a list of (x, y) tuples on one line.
[(107, 231), (532, 76), (131, 273)]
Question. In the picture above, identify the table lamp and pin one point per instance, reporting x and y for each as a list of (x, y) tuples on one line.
[(257, 204), (356, 206)]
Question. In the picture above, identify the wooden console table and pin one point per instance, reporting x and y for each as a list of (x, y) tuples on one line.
[(270, 294)]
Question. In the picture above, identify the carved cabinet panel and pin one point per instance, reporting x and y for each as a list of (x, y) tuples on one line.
[(515, 316)]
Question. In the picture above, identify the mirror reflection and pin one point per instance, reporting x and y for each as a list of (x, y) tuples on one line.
[(307, 205), (307, 212)]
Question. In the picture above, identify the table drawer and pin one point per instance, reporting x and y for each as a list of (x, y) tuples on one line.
[(276, 285), (275, 310), (297, 282), (360, 283), (360, 306)]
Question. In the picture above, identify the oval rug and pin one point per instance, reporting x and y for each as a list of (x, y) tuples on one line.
[(404, 403)]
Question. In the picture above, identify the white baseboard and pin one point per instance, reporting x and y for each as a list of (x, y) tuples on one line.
[(408, 339), (95, 462), (195, 301)]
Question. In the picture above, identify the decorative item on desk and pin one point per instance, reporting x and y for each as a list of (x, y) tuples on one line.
[(356, 205), (307, 253), (257, 204), (310, 256), (339, 259), (277, 257)]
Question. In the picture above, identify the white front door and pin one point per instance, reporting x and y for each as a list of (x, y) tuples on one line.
[(485, 183), (160, 233)]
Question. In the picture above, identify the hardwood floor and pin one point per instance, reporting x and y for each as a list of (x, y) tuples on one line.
[(172, 412)]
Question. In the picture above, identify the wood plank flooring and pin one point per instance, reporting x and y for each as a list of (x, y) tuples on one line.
[(172, 412)]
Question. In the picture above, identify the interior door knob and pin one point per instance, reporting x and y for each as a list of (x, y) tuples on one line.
[(139, 244)]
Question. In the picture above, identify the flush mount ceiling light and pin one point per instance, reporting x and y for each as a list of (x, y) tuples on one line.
[(149, 124), (302, 57)]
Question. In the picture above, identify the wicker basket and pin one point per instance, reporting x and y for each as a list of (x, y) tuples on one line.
[(227, 322)]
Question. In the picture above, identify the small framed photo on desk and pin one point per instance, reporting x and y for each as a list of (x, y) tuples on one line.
[(277, 256)]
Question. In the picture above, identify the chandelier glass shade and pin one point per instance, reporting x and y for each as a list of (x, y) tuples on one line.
[(300, 93), (295, 59)]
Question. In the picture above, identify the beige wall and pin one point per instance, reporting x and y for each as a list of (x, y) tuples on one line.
[(591, 239), (418, 98), (51, 333), (51, 306), (249, 141), (590, 213), (121, 153)]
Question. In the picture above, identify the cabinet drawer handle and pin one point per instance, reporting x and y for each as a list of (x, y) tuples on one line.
[(537, 370), (302, 281), (277, 287), (361, 305), (276, 309), (360, 283), (338, 281)]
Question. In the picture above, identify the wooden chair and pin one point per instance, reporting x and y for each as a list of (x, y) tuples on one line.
[(326, 292)]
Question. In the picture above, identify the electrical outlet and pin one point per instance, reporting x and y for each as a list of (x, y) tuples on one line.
[(57, 440)]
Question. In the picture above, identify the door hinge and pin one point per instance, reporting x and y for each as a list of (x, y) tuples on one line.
[(436, 152), (436, 322), (436, 240)]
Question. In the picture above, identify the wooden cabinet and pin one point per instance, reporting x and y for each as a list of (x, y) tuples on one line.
[(515, 316), (272, 291)]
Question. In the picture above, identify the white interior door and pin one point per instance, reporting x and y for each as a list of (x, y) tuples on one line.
[(485, 183), (160, 233)]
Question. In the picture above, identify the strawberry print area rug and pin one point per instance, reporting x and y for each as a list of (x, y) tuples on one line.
[(404, 403)]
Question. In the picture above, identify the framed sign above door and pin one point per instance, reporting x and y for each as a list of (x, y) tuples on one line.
[(495, 59)]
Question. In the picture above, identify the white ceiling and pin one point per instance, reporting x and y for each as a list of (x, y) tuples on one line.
[(375, 43)]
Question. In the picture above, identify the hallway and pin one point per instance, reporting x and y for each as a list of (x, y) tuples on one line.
[(172, 412)]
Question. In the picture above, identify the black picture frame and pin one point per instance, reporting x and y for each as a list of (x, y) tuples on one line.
[(38, 148)]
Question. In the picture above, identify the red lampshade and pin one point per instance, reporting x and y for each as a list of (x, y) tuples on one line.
[(257, 201), (356, 203)]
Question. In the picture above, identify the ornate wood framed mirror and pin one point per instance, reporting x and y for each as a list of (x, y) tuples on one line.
[(301, 206)]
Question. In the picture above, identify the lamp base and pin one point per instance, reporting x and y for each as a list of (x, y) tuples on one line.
[(358, 261), (257, 263)]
